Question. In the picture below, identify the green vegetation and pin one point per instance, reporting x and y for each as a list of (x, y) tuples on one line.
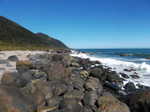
[(15, 37)]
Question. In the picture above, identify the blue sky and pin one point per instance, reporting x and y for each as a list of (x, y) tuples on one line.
[(85, 23)]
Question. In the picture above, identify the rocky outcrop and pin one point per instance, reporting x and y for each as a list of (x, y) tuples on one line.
[(60, 83)]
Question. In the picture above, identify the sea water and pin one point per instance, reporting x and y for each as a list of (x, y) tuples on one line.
[(120, 60)]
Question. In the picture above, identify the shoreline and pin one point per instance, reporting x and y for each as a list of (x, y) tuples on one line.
[(57, 81), (130, 71)]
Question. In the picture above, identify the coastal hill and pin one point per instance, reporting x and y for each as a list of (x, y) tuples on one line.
[(15, 37)]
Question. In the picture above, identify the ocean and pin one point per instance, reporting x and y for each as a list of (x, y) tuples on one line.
[(133, 62)]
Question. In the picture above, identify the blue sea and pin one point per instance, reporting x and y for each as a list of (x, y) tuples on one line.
[(136, 60)]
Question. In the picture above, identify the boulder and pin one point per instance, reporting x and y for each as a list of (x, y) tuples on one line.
[(139, 101), (98, 73), (108, 103), (53, 102), (12, 79), (23, 65), (93, 84), (90, 98), (74, 94), (12, 100), (13, 58), (130, 87), (70, 105), (39, 90), (58, 87), (124, 75), (114, 78), (76, 82), (58, 71), (135, 76)]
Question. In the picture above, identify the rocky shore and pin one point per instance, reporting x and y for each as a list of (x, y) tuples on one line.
[(58, 82)]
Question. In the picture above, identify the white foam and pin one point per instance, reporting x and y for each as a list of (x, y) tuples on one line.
[(143, 69)]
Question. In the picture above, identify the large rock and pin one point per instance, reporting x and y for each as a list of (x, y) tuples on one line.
[(98, 73), (130, 87), (12, 100), (39, 90), (13, 58), (74, 94), (23, 65), (114, 78), (12, 79), (65, 59), (59, 88), (90, 98), (58, 71), (93, 84), (70, 105), (139, 101), (108, 103)]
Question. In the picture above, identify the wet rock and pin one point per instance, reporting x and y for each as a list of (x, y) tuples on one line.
[(139, 101), (129, 70), (114, 78), (108, 103), (125, 54), (98, 73), (124, 75), (112, 86), (12, 100), (135, 76), (93, 84), (130, 87), (85, 63), (90, 98), (13, 58)]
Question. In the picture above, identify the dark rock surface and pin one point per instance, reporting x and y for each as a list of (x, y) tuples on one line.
[(13, 58)]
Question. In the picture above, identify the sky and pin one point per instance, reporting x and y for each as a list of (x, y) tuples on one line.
[(85, 23)]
